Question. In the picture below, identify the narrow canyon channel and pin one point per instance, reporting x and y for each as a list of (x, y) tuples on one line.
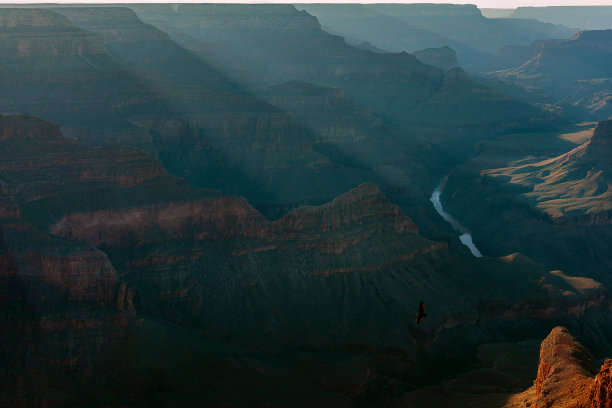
[(465, 237)]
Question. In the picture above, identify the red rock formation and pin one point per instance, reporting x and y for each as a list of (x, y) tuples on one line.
[(363, 204), (565, 377), (601, 389), (213, 219), (564, 370)]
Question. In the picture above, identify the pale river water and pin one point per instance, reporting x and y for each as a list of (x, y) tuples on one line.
[(465, 237)]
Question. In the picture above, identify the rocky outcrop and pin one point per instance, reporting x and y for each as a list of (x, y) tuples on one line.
[(564, 370), (566, 376), (32, 146), (218, 219), (166, 237), (600, 395), (363, 205)]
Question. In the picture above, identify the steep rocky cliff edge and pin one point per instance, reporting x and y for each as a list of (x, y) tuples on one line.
[(566, 377)]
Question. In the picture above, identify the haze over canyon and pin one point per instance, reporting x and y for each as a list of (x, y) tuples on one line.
[(243, 205)]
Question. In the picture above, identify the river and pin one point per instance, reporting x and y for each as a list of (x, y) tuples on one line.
[(465, 237)]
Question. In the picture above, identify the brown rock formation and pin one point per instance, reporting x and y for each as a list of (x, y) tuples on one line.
[(363, 204), (564, 370), (601, 389), (566, 377)]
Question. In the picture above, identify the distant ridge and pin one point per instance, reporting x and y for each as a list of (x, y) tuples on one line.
[(581, 17)]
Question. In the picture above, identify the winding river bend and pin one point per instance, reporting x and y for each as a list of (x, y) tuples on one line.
[(465, 237)]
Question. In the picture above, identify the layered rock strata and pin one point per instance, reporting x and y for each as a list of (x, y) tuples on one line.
[(566, 376)]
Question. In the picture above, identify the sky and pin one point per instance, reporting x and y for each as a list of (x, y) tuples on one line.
[(479, 3)]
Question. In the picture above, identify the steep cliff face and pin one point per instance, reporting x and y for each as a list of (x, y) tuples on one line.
[(600, 395), (150, 54), (364, 204), (566, 376), (189, 263), (600, 146), (564, 369), (66, 316), (81, 177), (586, 55)]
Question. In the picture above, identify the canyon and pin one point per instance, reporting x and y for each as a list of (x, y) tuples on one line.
[(564, 196), (573, 72), (186, 255), (232, 205)]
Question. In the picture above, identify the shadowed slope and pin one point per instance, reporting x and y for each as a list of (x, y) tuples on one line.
[(66, 317), (285, 44), (104, 90), (55, 70)]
